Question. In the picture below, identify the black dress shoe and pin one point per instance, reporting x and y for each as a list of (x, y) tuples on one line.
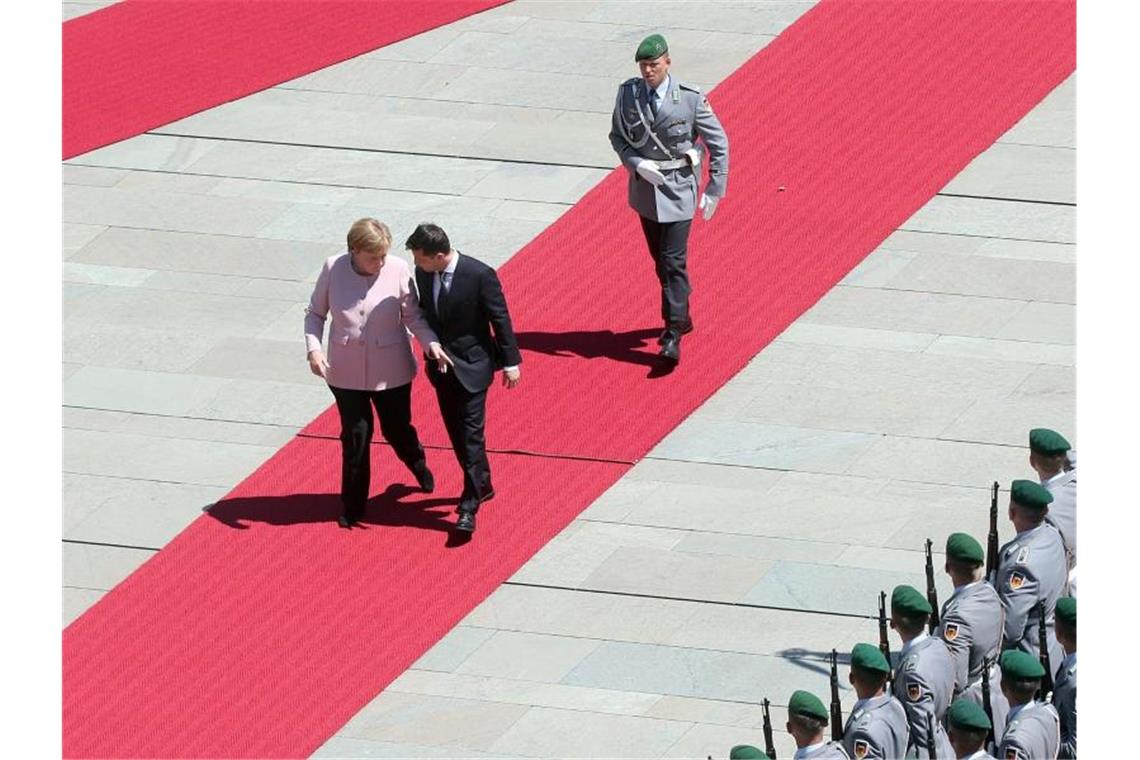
[(466, 522), (684, 329), (424, 478), (345, 521), (671, 348)]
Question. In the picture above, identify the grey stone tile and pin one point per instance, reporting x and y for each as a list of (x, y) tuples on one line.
[(132, 512), (939, 313), (1042, 323), (677, 574), (856, 337), (707, 711), (756, 445), (98, 274), (99, 567), (450, 651), (157, 153), (967, 245), (144, 457), (544, 732), (75, 236), (196, 282), (344, 747), (701, 474), (551, 184), (1004, 219), (583, 546), (91, 176), (577, 91), (757, 547), (615, 504), (291, 192), (167, 182), (132, 347), (934, 461), (703, 740), (527, 656), (274, 403), (1024, 172), (173, 211), (765, 631), (1052, 122), (76, 601), (1004, 350), (254, 359), (749, 17), (582, 614), (207, 254), (880, 266), (990, 277), (223, 431), (92, 419), (528, 693), (421, 47), (369, 75), (1049, 383), (809, 586), (525, 53), (1009, 421), (547, 213), (137, 391), (461, 724)]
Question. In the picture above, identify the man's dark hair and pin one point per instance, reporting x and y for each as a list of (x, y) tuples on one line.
[(960, 566), (973, 738), (808, 723), (869, 676), (908, 624), (429, 238), (1023, 689)]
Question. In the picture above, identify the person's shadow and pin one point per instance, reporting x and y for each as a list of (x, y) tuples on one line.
[(383, 510), (598, 344)]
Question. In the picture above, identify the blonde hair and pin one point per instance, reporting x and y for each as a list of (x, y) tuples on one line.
[(369, 234)]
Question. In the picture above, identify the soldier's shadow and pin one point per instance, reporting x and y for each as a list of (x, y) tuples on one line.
[(390, 508), (819, 662), (631, 347)]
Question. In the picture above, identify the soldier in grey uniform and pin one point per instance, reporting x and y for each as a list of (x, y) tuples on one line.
[(924, 680), (877, 726), (1034, 728), (1048, 452), (1031, 571), (1065, 689), (971, 624), (656, 122), (969, 727), (807, 719)]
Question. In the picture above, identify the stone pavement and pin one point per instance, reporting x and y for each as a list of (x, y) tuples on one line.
[(722, 567)]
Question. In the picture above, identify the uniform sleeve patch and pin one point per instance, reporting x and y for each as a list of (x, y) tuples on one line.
[(913, 692), (950, 632), (1011, 754), (1016, 581), (862, 748)]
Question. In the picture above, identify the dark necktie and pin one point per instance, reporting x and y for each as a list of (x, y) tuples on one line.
[(652, 103), (444, 287)]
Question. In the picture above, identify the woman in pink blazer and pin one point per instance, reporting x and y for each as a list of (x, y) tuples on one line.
[(373, 303)]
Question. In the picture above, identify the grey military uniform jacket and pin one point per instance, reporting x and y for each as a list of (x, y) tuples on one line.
[(972, 624), (1065, 700), (1062, 512), (924, 684), (877, 729), (683, 115), (1031, 568), (828, 751), (1033, 733)]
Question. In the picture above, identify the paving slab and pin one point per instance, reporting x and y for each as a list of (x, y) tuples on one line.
[(132, 512), (944, 243), (1052, 122), (99, 568), (677, 574), (1021, 172), (575, 733), (922, 311), (458, 724), (996, 218), (527, 656)]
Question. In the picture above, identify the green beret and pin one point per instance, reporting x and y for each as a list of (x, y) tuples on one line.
[(907, 601), (1047, 442), (1030, 494), (964, 547), (1021, 666), (868, 657), (1067, 610), (806, 703), (653, 46), (746, 752), (968, 715)]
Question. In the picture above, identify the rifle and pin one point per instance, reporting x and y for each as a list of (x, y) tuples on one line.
[(930, 737), (1043, 649), (836, 710), (931, 592), (769, 747), (884, 643), (992, 542), (986, 704)]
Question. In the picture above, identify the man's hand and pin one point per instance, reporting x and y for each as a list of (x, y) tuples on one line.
[(708, 203), (440, 357), (650, 172), (511, 377), (317, 364)]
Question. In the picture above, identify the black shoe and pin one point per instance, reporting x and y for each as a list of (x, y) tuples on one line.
[(684, 329), (466, 522), (424, 478), (346, 520), (671, 348)]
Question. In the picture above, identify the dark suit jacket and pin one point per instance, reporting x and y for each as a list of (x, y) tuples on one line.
[(468, 312)]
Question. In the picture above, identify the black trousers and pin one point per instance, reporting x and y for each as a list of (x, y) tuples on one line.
[(668, 245), (394, 408), (464, 415)]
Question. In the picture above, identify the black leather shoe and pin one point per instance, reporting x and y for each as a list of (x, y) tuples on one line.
[(684, 329), (671, 348), (346, 520), (466, 522), (424, 478)]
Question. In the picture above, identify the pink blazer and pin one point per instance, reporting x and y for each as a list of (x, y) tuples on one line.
[(369, 347)]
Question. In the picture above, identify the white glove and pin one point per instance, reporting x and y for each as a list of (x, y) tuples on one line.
[(650, 173), (708, 203), (694, 158)]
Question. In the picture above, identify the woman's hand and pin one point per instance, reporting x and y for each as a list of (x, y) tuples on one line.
[(317, 364)]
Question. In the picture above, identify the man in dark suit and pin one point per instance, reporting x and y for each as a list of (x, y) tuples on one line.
[(464, 305)]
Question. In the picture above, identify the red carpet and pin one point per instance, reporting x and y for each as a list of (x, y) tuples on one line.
[(139, 64), (263, 641)]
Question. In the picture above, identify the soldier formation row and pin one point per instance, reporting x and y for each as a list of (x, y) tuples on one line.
[(1011, 623)]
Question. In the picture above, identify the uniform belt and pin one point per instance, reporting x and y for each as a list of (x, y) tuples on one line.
[(676, 163)]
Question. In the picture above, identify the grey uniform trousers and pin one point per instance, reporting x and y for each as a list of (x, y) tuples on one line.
[(668, 244)]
